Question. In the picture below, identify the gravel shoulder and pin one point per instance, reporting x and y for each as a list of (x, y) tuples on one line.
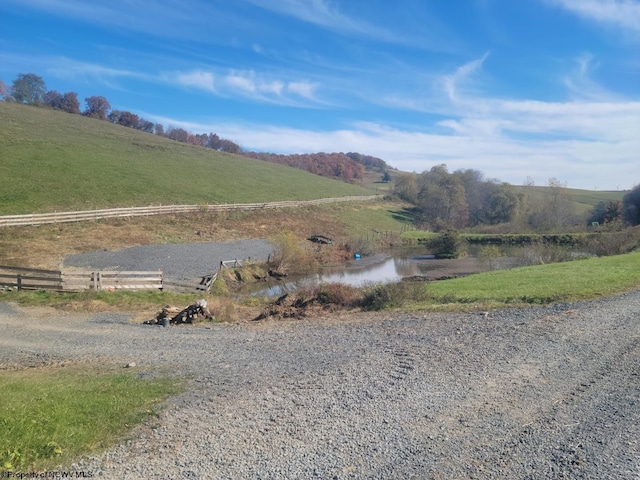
[(545, 392)]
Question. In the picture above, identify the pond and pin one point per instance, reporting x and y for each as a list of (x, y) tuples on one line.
[(394, 265)]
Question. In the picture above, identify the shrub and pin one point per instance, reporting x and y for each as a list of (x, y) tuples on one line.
[(392, 295), (447, 245), (542, 253), (488, 255), (339, 294), (362, 245), (614, 243), (289, 255)]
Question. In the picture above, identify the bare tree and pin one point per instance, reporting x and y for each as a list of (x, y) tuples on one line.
[(97, 107), (70, 103), (53, 99)]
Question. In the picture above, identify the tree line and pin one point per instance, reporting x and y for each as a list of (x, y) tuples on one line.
[(446, 200), (30, 89)]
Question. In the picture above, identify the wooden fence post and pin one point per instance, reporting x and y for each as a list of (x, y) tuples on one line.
[(19, 281)]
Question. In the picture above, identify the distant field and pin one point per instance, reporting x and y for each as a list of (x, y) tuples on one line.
[(585, 200), (54, 161), (593, 197)]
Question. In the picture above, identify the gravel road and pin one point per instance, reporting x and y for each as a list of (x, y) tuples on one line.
[(177, 261), (545, 392)]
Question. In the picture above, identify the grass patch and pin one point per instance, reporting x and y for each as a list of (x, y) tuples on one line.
[(103, 300), (51, 417), (363, 218), (559, 282), (53, 161)]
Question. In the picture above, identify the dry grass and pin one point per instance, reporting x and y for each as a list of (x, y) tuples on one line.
[(46, 246)]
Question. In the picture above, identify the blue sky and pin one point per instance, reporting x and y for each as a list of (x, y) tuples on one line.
[(518, 89)]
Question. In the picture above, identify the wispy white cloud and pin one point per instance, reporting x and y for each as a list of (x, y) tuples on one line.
[(477, 144), (325, 14), (575, 141), (580, 82), (304, 89), (197, 79), (70, 70), (249, 85), (177, 19), (462, 75), (63, 67), (618, 13)]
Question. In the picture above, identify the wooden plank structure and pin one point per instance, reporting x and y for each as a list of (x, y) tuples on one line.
[(203, 285), (322, 239)]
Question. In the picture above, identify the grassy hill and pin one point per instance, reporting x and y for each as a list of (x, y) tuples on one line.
[(54, 161)]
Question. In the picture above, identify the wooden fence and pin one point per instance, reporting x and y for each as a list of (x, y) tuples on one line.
[(111, 280), (78, 280), (65, 217), (30, 278)]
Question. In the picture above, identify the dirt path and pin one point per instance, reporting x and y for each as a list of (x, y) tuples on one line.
[(547, 392)]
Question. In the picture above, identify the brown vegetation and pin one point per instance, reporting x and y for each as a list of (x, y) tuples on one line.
[(46, 246)]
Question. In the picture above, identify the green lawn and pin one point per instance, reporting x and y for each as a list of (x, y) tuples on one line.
[(568, 281), (54, 161), (51, 417)]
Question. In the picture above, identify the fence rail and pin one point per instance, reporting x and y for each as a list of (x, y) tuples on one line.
[(75, 280), (112, 280), (65, 217), (78, 280), (30, 278)]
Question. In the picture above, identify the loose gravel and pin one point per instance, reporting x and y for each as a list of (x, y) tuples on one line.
[(544, 392), (177, 261)]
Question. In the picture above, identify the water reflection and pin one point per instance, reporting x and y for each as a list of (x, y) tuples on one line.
[(413, 262), (383, 268)]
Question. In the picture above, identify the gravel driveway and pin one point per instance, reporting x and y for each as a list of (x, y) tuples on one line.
[(546, 392), (185, 261)]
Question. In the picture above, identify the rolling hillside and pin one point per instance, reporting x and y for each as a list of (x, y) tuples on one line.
[(54, 161)]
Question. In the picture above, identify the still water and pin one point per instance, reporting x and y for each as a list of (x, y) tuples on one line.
[(408, 262), (382, 268)]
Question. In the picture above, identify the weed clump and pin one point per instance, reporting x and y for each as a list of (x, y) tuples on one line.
[(393, 295)]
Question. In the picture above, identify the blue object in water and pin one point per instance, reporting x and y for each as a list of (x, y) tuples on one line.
[(356, 255)]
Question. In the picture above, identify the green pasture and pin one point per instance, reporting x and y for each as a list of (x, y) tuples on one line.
[(54, 161)]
